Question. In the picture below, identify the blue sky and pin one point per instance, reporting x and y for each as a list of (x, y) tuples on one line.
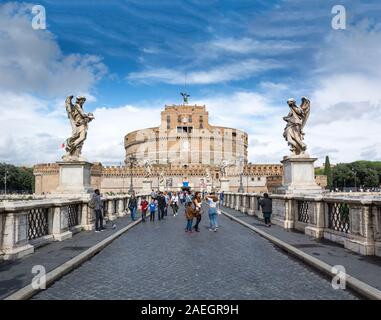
[(243, 59)]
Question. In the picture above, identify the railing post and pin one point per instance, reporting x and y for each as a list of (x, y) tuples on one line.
[(237, 201), (60, 226), (110, 209), (317, 230), (250, 200), (121, 211), (289, 213), (87, 216), (14, 242), (243, 208), (368, 247)]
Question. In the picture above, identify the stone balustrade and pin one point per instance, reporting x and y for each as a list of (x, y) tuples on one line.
[(354, 222), (27, 225)]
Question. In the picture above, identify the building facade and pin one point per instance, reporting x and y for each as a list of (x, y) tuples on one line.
[(185, 137)]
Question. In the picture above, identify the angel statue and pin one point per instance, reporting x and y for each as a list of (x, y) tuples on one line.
[(296, 119), (223, 165), (185, 97), (147, 168), (161, 177), (79, 124), (207, 176)]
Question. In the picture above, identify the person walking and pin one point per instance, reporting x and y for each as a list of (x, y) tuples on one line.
[(97, 204), (174, 204), (267, 207), (153, 194), (189, 215), (144, 205), (181, 197), (197, 201), (133, 206), (161, 206), (222, 197), (212, 201), (167, 202), (152, 209)]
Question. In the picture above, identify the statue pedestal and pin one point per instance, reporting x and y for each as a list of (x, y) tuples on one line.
[(74, 178), (147, 186), (299, 176), (225, 185)]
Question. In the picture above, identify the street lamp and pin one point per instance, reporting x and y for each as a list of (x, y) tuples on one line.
[(5, 181), (241, 168), (355, 174), (132, 162)]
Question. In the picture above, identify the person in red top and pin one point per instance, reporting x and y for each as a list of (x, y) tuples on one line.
[(144, 205)]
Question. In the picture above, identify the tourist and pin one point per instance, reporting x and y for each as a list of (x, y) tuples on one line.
[(133, 206), (152, 209), (212, 201), (174, 204), (144, 206), (222, 196), (153, 194), (189, 214), (181, 197), (97, 204), (167, 202), (197, 201), (267, 207), (161, 205)]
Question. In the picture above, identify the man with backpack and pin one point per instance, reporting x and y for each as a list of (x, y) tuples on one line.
[(133, 206), (267, 207), (97, 205)]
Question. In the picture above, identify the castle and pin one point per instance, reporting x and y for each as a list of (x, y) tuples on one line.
[(184, 148)]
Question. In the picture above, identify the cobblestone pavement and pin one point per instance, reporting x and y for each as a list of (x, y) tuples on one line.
[(17, 274), (160, 261), (364, 268)]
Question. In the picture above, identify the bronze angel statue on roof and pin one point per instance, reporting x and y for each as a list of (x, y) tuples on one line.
[(185, 97), (79, 123), (296, 120)]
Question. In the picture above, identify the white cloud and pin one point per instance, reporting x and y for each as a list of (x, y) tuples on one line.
[(31, 60), (223, 73), (105, 141), (248, 45)]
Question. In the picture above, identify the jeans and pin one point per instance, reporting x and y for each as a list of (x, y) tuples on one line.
[(213, 218), (198, 219), (161, 212), (144, 212), (98, 219), (133, 213), (267, 216), (174, 208), (189, 225), (152, 216)]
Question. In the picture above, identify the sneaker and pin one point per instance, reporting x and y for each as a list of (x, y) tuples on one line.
[(210, 229), (215, 229), (97, 231), (114, 226)]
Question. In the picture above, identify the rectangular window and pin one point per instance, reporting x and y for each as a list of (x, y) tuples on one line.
[(181, 129), (201, 122), (168, 122)]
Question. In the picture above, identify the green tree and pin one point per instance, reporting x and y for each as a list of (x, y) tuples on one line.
[(328, 173), (19, 179)]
